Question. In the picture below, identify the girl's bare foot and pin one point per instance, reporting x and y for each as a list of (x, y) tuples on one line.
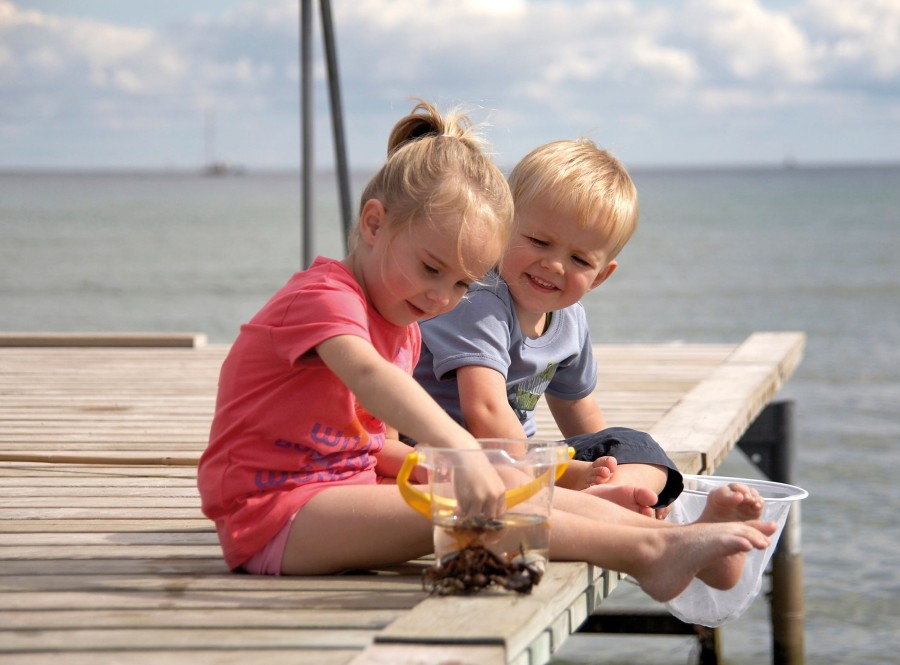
[(734, 502), (638, 499), (714, 552)]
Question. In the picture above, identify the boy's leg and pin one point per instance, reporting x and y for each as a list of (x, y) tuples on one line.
[(641, 461), (355, 526)]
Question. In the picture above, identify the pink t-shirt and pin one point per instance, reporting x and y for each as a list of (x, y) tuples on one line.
[(285, 426)]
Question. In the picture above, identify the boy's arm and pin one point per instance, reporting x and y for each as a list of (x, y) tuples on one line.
[(485, 409), (574, 417)]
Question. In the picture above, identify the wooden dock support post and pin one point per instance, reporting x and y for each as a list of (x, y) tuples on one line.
[(769, 444)]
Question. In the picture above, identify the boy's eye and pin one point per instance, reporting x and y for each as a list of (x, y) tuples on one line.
[(581, 262), (431, 270)]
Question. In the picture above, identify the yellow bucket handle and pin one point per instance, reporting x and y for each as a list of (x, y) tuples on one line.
[(421, 501)]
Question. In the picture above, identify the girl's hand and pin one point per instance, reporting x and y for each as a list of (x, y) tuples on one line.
[(479, 490)]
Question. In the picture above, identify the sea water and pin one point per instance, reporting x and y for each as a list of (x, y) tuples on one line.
[(719, 255)]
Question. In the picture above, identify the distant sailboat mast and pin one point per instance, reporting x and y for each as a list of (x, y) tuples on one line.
[(212, 166)]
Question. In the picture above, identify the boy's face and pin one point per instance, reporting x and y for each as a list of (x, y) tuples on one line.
[(552, 262)]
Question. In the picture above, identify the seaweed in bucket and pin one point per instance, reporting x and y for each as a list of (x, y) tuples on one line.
[(472, 566)]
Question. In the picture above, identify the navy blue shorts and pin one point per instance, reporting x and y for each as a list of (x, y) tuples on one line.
[(629, 446)]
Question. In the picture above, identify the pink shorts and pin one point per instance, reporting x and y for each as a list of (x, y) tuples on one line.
[(268, 560)]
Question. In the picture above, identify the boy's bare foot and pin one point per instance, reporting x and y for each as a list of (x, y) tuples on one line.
[(734, 502), (602, 470), (638, 499), (714, 552)]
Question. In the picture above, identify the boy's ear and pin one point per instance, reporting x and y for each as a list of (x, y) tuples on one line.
[(604, 274), (371, 220)]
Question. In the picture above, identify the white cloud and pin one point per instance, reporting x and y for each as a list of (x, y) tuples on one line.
[(626, 71), (858, 37), (751, 43)]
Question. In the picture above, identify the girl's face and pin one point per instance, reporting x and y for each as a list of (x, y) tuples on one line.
[(417, 273), (552, 262)]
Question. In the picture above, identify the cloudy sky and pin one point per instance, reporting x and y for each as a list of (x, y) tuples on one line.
[(138, 83)]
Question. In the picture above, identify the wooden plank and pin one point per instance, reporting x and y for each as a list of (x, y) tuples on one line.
[(120, 619), (231, 656), (426, 654), (529, 623), (228, 637), (711, 417), (73, 579), (192, 340)]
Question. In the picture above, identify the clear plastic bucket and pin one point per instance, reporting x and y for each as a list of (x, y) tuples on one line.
[(701, 604), (529, 468)]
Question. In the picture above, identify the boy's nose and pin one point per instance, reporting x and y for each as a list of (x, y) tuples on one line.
[(553, 263)]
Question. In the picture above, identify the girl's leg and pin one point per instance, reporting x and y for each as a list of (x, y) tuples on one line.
[(662, 560), (637, 499), (355, 526), (723, 574)]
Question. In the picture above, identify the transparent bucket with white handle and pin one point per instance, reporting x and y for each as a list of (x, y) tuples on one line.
[(702, 604)]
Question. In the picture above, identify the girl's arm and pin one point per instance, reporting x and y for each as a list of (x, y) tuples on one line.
[(485, 408), (393, 396), (390, 394), (391, 458)]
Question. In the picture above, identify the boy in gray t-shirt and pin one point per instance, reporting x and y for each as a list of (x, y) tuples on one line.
[(522, 332)]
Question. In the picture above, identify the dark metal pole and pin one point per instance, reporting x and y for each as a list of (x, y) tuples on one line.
[(307, 168), (337, 117), (769, 443)]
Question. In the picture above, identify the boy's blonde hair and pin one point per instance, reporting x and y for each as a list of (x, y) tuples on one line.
[(436, 165), (576, 174)]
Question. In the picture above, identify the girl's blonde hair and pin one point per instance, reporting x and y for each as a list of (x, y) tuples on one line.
[(577, 175), (436, 165)]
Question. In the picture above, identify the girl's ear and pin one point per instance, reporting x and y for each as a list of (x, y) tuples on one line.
[(372, 219), (604, 274)]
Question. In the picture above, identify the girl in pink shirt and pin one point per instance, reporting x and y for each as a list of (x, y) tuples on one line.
[(319, 382)]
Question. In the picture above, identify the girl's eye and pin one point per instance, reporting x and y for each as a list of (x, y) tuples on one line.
[(538, 242), (462, 285), (431, 270)]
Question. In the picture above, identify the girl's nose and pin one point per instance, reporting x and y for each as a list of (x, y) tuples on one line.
[(440, 297)]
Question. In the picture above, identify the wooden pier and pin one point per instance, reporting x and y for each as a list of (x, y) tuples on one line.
[(105, 556)]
